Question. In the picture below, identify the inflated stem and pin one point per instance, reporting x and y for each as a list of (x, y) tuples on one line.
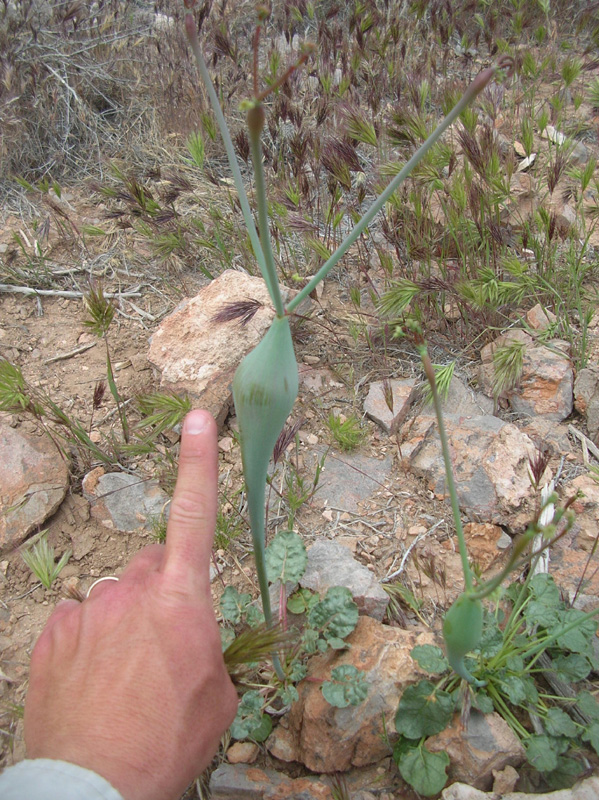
[(264, 390), (462, 631)]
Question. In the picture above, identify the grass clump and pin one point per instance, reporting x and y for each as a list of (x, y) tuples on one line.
[(347, 432), (40, 557)]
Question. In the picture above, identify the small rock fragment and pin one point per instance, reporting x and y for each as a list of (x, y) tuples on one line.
[(243, 753), (388, 407), (122, 501), (487, 744), (482, 540), (505, 780), (331, 564), (540, 318), (34, 478)]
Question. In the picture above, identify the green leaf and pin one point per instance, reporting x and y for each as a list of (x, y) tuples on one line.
[(232, 604), (492, 639), (423, 770), (565, 774), (513, 688), (262, 731), (347, 687), (336, 615), (430, 658), (544, 607), (571, 667), (558, 723), (226, 637), (309, 641), (289, 695), (337, 644), (423, 710), (298, 672), (483, 702), (588, 705), (579, 639), (301, 601), (286, 558), (541, 753), (591, 735), (250, 722)]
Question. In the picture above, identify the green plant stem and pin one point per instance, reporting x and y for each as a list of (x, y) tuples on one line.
[(477, 85), (192, 36), (506, 713), (547, 641), (455, 505), (269, 272), (115, 393)]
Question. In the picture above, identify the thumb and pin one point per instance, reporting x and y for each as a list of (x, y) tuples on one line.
[(192, 519)]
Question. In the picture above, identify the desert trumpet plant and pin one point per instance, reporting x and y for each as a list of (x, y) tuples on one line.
[(266, 383)]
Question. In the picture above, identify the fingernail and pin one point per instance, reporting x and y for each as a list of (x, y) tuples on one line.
[(195, 423)]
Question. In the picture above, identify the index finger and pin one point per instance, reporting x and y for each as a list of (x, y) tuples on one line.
[(192, 519)]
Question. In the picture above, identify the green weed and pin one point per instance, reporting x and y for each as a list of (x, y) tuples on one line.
[(40, 557), (347, 433)]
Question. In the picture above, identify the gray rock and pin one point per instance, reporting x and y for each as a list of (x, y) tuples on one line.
[(242, 782), (586, 398), (402, 395), (585, 790), (34, 478), (490, 462), (463, 402), (122, 501), (245, 782), (488, 744), (350, 478), (332, 564)]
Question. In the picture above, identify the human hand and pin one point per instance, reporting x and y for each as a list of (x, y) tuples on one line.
[(131, 682)]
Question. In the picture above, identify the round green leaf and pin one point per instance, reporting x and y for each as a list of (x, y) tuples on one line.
[(591, 735), (423, 710), (301, 601), (286, 558), (430, 658), (262, 731), (336, 615), (424, 771), (232, 604), (588, 705), (347, 687), (558, 723), (571, 668), (540, 753)]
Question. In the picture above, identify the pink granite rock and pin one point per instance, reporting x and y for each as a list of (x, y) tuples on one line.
[(34, 478)]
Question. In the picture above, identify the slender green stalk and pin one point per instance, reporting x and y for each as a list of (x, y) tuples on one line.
[(192, 36), (115, 392), (255, 125), (455, 505), (544, 643), (477, 85)]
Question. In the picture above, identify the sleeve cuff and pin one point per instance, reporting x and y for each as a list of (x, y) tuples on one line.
[(46, 779)]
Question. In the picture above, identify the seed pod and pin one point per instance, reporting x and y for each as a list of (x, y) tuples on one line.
[(462, 631), (264, 390)]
